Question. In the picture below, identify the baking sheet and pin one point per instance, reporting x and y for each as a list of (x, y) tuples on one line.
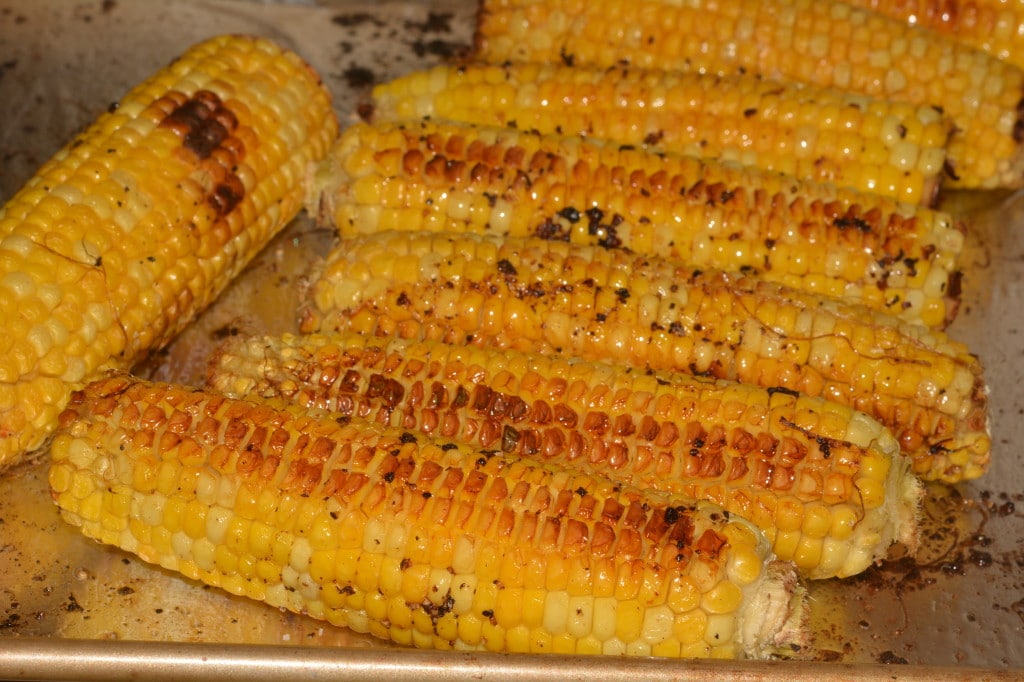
[(70, 609)]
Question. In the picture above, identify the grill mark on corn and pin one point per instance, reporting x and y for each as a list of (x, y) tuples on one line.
[(491, 415), (496, 408), (206, 127), (201, 120)]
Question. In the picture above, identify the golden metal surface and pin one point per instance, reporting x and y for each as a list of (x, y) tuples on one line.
[(157, 661), (70, 609)]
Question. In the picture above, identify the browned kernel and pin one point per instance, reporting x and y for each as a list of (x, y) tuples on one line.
[(710, 544), (596, 423)]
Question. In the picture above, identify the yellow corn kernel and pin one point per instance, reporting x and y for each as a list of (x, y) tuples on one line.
[(691, 626), (629, 620), (684, 596), (725, 597)]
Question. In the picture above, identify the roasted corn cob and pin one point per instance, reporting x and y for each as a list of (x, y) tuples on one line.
[(890, 148), (425, 543), (143, 219), (822, 42), (993, 26), (611, 305), (825, 483), (432, 176)]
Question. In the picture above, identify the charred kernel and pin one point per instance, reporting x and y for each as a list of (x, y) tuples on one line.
[(509, 439), (566, 416), (505, 267), (552, 443), (596, 423), (202, 133), (461, 397), (570, 214)]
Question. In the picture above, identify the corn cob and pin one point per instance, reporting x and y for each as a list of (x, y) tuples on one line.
[(611, 305), (429, 176), (812, 133), (992, 26), (821, 42), (425, 543), (143, 219), (825, 484)]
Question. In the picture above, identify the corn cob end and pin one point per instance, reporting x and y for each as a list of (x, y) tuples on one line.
[(777, 615)]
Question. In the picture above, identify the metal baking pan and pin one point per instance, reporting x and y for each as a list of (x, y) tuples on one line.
[(70, 609)]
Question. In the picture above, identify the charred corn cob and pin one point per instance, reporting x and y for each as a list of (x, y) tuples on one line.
[(826, 484), (890, 148), (993, 26), (142, 219), (611, 305), (425, 543), (821, 42), (429, 176)]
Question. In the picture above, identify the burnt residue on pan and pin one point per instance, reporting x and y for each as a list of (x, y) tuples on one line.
[(966, 541), (374, 48)]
